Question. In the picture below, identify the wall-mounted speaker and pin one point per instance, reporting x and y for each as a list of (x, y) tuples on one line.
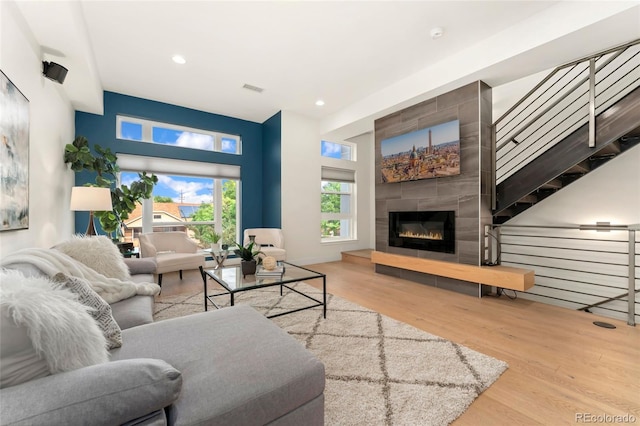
[(53, 71)]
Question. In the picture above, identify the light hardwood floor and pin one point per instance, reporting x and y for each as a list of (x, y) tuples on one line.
[(560, 364)]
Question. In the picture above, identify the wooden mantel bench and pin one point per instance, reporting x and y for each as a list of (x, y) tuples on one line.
[(496, 276)]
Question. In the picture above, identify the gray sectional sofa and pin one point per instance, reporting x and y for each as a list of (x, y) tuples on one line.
[(230, 366)]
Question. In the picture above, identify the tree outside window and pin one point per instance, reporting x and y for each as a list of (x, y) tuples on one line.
[(336, 210), (197, 205)]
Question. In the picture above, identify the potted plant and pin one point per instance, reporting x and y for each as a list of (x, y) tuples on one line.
[(210, 236), (124, 198), (249, 255)]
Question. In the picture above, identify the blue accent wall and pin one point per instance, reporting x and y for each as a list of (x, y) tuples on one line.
[(271, 172), (101, 129)]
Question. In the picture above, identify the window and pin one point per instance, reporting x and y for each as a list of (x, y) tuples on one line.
[(337, 203), (190, 196), (337, 191), (136, 129), (341, 151)]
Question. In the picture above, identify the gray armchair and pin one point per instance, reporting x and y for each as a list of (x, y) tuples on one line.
[(173, 251)]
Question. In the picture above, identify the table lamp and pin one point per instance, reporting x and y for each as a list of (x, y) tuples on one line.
[(90, 198)]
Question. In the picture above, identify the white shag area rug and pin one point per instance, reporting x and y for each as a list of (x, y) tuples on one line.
[(379, 371)]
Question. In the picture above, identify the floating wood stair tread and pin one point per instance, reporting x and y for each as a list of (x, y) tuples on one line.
[(611, 149), (528, 199), (553, 184), (497, 276), (505, 213), (581, 168)]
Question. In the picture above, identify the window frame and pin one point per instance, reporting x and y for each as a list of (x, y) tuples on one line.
[(351, 217), (182, 168), (149, 125), (352, 150)]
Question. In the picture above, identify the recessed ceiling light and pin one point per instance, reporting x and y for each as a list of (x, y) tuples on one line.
[(319, 102), (179, 59), (436, 32)]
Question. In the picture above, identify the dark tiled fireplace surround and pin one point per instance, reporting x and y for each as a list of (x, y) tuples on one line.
[(468, 194)]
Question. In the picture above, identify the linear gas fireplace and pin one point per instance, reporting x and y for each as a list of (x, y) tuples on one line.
[(426, 230)]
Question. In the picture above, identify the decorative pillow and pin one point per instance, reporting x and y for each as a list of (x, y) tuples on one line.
[(19, 362), (97, 252), (61, 330), (101, 310), (130, 391)]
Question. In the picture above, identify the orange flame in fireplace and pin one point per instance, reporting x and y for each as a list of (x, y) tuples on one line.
[(430, 235)]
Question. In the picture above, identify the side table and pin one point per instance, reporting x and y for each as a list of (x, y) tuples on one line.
[(219, 256), (132, 253)]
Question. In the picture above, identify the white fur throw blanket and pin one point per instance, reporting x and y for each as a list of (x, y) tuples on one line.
[(51, 262)]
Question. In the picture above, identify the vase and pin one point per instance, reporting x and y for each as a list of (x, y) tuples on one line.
[(215, 246), (248, 267)]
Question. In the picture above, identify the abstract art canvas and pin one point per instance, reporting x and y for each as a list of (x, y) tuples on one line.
[(14, 157)]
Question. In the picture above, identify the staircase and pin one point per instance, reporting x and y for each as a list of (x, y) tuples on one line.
[(581, 116)]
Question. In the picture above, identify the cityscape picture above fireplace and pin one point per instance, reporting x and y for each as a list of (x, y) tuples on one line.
[(424, 230), (422, 154)]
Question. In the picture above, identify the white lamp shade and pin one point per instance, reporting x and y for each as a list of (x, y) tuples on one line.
[(90, 198)]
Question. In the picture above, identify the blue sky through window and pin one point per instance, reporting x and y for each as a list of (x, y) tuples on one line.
[(131, 131), (335, 150), (166, 136), (184, 139), (181, 189), (331, 150), (229, 145)]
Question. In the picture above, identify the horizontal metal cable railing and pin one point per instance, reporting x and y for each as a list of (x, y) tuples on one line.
[(577, 268), (570, 97)]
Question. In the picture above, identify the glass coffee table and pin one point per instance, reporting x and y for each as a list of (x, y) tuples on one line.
[(231, 279)]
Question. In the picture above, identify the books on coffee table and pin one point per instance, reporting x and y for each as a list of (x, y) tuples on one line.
[(277, 272)]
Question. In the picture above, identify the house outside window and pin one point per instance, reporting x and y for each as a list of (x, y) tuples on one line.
[(190, 196)]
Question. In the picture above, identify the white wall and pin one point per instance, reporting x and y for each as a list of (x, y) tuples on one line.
[(366, 188), (301, 164), (51, 127), (506, 95)]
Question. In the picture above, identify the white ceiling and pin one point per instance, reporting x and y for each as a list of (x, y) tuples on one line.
[(361, 57)]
